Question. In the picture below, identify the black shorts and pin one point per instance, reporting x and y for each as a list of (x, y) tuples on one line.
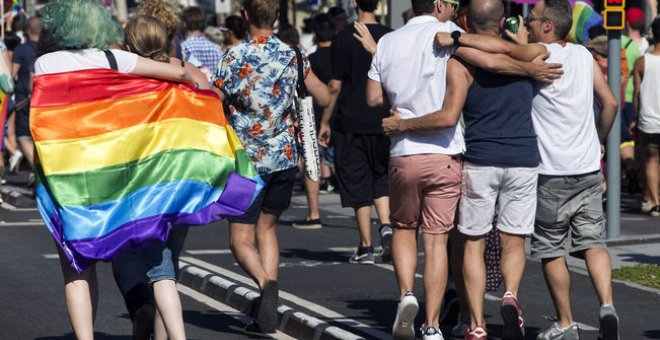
[(649, 140), (22, 122), (274, 198), (361, 163)]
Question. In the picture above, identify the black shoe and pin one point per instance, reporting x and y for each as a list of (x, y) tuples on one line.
[(386, 242), (308, 224), (655, 212), (267, 310)]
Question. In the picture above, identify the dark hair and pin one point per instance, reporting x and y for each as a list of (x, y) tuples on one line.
[(423, 6), (262, 13), (289, 35), (596, 31), (561, 15), (34, 25), (194, 19), (655, 29), (46, 43), (237, 25), (323, 28), (12, 40), (367, 5), (19, 22)]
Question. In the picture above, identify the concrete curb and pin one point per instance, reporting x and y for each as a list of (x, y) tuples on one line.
[(293, 323), (632, 240)]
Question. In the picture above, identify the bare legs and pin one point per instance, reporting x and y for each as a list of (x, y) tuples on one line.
[(261, 265)]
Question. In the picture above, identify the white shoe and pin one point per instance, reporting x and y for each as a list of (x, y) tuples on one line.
[(430, 333), (646, 207), (15, 161), (405, 318)]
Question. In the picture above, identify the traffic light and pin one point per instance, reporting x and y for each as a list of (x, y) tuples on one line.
[(614, 14)]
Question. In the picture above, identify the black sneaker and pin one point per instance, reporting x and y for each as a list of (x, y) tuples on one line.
[(655, 212), (267, 310), (363, 255), (308, 224), (386, 242)]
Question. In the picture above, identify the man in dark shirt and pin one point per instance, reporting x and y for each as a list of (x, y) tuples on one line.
[(361, 150), (22, 63)]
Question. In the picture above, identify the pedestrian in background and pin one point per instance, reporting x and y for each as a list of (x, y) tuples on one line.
[(361, 149)]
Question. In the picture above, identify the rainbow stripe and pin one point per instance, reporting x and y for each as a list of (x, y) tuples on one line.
[(122, 159), (584, 18)]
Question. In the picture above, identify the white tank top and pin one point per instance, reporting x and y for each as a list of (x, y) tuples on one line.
[(563, 115), (649, 109)]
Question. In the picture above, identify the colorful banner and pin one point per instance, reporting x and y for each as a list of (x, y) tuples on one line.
[(123, 159), (584, 18)]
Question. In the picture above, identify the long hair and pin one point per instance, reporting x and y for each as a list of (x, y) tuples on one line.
[(147, 37), (80, 24)]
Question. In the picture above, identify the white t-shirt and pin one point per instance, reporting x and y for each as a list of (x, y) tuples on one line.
[(563, 115), (649, 108), (413, 73), (68, 61)]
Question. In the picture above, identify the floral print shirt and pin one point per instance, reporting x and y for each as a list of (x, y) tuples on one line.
[(259, 78)]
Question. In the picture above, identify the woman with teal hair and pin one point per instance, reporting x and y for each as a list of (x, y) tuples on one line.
[(85, 31)]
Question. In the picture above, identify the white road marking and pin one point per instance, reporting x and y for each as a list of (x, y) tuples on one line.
[(320, 310), (21, 224), (10, 207), (390, 267), (51, 256), (209, 251), (633, 218), (224, 309)]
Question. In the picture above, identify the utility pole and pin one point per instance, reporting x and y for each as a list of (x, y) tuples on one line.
[(614, 17), (395, 9), (122, 10)]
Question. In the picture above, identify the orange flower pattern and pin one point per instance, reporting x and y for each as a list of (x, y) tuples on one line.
[(259, 77)]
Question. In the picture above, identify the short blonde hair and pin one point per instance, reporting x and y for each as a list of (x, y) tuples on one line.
[(164, 12), (147, 37)]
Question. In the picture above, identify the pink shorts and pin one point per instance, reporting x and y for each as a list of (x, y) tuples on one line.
[(424, 191)]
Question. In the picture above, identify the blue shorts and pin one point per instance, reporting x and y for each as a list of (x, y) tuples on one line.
[(162, 259)]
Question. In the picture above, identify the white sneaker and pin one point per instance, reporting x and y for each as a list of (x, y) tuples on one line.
[(430, 333), (646, 207), (15, 161), (405, 318), (557, 333)]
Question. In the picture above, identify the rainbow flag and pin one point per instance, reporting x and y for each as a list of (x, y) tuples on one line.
[(123, 159), (584, 18)]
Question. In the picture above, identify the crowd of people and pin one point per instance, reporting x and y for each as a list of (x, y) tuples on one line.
[(450, 126)]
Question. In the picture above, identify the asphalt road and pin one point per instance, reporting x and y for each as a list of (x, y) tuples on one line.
[(315, 278)]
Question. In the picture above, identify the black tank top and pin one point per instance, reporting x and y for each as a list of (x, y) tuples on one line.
[(498, 121)]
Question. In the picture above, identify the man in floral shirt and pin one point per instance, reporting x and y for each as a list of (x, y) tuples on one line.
[(258, 81)]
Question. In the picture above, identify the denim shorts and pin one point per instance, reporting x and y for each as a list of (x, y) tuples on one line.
[(569, 209), (162, 259)]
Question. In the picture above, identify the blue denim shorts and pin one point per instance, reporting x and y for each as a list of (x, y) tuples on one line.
[(162, 260)]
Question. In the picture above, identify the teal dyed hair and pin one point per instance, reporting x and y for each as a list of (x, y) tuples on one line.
[(80, 24)]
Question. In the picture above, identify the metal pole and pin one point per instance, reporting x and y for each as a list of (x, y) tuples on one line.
[(525, 10), (614, 139), (122, 11)]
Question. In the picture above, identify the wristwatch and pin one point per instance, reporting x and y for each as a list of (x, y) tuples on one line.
[(455, 35)]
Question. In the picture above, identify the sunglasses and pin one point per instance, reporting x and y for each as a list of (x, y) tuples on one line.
[(454, 4)]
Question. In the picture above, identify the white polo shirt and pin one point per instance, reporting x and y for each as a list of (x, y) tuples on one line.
[(413, 73)]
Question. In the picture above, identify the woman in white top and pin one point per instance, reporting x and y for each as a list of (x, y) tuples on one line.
[(83, 30)]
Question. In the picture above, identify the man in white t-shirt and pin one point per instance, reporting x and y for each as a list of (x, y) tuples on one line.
[(570, 181), (425, 168)]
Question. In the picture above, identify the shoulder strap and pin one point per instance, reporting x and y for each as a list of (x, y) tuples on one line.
[(628, 44), (301, 88), (111, 60)]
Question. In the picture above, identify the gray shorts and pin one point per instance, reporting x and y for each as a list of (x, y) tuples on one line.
[(568, 206)]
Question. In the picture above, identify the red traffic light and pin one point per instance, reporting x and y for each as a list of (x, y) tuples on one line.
[(615, 4)]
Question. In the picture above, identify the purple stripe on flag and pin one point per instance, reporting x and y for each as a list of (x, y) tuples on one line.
[(140, 234)]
